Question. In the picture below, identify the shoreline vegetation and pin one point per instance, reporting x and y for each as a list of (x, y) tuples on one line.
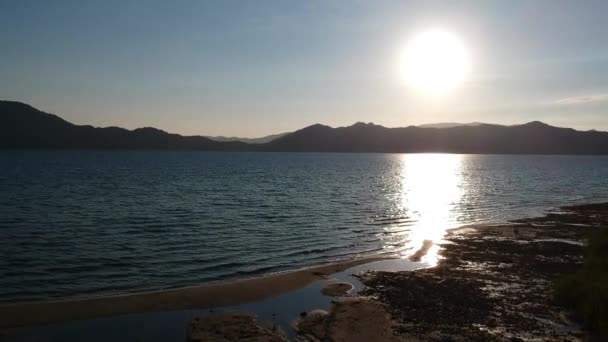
[(585, 293), (540, 279)]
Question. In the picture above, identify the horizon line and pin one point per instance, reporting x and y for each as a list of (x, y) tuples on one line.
[(210, 136)]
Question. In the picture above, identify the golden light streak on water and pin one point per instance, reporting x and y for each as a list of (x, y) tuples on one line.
[(431, 185)]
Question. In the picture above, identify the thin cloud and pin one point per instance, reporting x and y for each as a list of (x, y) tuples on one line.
[(574, 100)]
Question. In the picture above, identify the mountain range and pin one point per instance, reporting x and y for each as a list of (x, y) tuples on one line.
[(25, 127), (260, 140)]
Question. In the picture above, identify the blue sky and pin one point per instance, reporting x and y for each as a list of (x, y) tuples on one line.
[(251, 68)]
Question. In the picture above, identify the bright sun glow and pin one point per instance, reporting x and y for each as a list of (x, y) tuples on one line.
[(434, 62)]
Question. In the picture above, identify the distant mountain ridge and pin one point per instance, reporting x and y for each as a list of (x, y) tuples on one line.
[(25, 127), (260, 140), (449, 124)]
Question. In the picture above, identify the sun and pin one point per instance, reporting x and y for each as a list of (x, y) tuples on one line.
[(435, 62)]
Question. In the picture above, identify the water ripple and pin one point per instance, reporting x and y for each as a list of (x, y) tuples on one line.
[(85, 223)]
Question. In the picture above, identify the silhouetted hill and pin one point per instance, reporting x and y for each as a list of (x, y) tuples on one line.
[(22, 126), (531, 138), (449, 124), (261, 140)]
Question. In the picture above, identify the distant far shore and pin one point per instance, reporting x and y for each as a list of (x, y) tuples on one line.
[(161, 150), (25, 127)]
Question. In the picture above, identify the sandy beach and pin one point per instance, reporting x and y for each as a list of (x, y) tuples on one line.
[(204, 296), (493, 283)]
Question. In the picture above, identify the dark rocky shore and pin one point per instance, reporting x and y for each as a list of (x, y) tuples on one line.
[(494, 283)]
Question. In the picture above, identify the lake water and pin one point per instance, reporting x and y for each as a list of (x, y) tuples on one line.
[(76, 223)]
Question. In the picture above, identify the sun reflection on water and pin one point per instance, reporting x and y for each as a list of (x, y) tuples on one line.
[(431, 187)]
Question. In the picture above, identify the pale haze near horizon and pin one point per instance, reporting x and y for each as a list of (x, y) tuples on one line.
[(250, 69)]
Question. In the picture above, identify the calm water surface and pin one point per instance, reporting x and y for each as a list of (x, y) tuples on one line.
[(94, 222)]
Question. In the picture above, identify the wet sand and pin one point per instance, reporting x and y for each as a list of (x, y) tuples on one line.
[(350, 319), (231, 327), (494, 283), (204, 296)]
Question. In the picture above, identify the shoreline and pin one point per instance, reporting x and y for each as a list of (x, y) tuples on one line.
[(494, 283), (203, 296), (502, 272)]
